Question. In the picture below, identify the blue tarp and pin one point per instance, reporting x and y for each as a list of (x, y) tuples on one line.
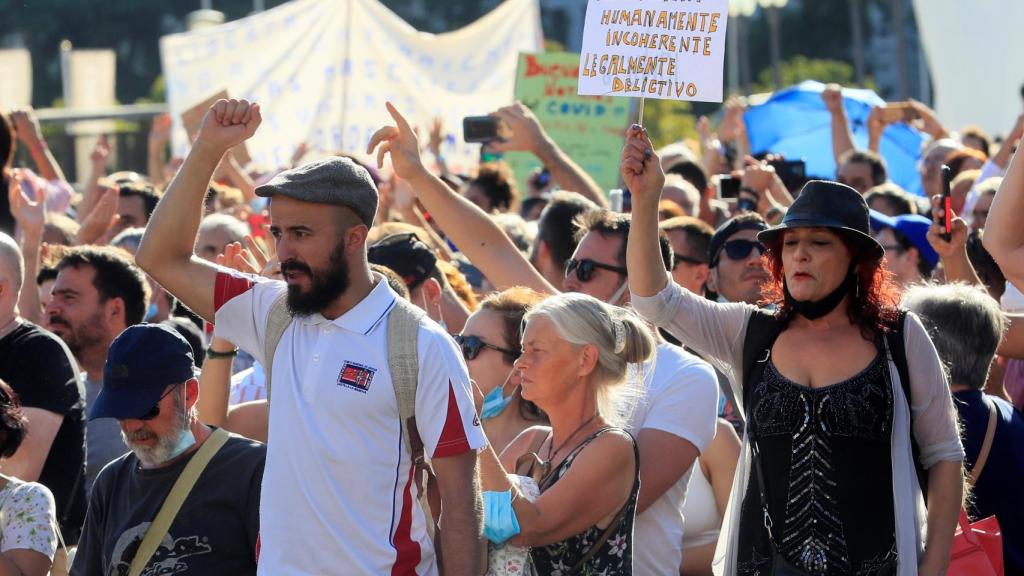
[(795, 123)]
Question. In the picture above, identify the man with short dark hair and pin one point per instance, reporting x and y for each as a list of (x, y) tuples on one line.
[(135, 205), (966, 326), (150, 392), (861, 170), (98, 293), (556, 238), (734, 254), (428, 287), (690, 238), (341, 488), (42, 372)]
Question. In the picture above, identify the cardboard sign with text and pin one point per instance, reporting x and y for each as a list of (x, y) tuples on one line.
[(673, 50), (588, 128)]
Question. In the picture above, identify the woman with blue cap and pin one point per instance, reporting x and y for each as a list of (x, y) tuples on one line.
[(851, 428)]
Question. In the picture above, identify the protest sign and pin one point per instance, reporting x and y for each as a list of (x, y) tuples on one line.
[(588, 128), (16, 70), (323, 69), (654, 49)]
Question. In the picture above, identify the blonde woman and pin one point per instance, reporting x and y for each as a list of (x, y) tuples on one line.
[(575, 353)]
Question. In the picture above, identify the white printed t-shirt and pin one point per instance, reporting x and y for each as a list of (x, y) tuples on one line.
[(681, 398), (338, 494)]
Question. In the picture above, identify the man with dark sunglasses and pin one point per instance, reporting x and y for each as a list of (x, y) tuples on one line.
[(150, 388), (735, 257)]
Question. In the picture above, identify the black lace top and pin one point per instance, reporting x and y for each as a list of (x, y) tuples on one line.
[(614, 557), (825, 453)]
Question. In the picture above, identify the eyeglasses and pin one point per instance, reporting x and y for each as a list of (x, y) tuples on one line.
[(585, 268), (155, 410), (680, 258), (740, 249), (894, 248), (472, 345)]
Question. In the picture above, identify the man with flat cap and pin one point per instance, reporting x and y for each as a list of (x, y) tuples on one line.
[(150, 388), (339, 494)]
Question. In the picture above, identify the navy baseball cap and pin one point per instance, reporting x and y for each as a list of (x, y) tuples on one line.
[(912, 226), (141, 362)]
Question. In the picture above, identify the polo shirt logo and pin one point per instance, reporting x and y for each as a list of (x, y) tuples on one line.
[(356, 376)]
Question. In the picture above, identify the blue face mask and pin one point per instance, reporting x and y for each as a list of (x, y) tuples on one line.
[(151, 312), (495, 401)]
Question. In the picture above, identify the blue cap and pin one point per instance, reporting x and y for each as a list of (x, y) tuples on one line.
[(914, 227), (141, 362)]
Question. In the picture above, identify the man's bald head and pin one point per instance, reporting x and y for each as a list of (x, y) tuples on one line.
[(12, 265)]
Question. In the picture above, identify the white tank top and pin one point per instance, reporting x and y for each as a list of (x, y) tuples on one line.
[(702, 520)]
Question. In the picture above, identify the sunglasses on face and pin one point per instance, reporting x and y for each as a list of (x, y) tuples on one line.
[(680, 258), (155, 410), (584, 268), (740, 249), (472, 345)]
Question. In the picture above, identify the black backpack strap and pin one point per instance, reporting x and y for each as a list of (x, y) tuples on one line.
[(897, 347), (763, 329)]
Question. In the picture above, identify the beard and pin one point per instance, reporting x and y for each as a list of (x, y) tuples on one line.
[(325, 286), (153, 456), (79, 338)]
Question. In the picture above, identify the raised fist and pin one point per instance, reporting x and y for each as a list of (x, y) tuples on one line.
[(228, 123)]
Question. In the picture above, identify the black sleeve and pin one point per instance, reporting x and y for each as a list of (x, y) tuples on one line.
[(252, 520), (49, 379)]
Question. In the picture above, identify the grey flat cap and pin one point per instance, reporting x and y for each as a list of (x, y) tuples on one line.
[(335, 180)]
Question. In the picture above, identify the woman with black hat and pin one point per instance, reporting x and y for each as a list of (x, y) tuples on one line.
[(827, 484)]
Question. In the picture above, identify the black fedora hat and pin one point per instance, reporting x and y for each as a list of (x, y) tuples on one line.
[(824, 204)]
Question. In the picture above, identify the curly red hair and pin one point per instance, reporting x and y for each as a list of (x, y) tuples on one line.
[(874, 306)]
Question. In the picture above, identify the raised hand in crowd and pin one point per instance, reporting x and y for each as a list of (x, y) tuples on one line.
[(842, 134), (26, 126), (248, 419), (929, 121), (29, 210), (1002, 156), (642, 173), (466, 225), (876, 126), (526, 134), (98, 225), (99, 161), (953, 252), (166, 251), (156, 147), (300, 152)]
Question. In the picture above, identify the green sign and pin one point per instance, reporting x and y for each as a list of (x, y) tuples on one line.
[(590, 129)]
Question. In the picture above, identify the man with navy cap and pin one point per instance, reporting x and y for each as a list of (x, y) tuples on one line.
[(150, 388), (339, 494)]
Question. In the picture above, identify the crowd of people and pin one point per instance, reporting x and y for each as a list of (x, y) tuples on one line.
[(373, 364)]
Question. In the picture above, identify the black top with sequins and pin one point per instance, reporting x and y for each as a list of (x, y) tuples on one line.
[(825, 453)]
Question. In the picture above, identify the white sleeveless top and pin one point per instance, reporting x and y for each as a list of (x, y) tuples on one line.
[(702, 519)]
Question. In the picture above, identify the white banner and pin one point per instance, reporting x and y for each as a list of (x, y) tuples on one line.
[(16, 70), (322, 70), (654, 49), (976, 56)]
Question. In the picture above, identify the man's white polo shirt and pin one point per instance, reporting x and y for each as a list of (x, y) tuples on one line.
[(338, 496), (681, 398)]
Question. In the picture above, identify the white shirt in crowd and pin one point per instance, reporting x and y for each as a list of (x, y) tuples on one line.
[(681, 398), (248, 385), (337, 491)]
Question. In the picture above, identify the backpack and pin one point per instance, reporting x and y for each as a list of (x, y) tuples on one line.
[(403, 362), (763, 328)]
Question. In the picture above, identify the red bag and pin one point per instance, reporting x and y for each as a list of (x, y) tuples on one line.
[(977, 548)]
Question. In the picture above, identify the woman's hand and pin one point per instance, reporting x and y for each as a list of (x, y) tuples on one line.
[(641, 167)]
